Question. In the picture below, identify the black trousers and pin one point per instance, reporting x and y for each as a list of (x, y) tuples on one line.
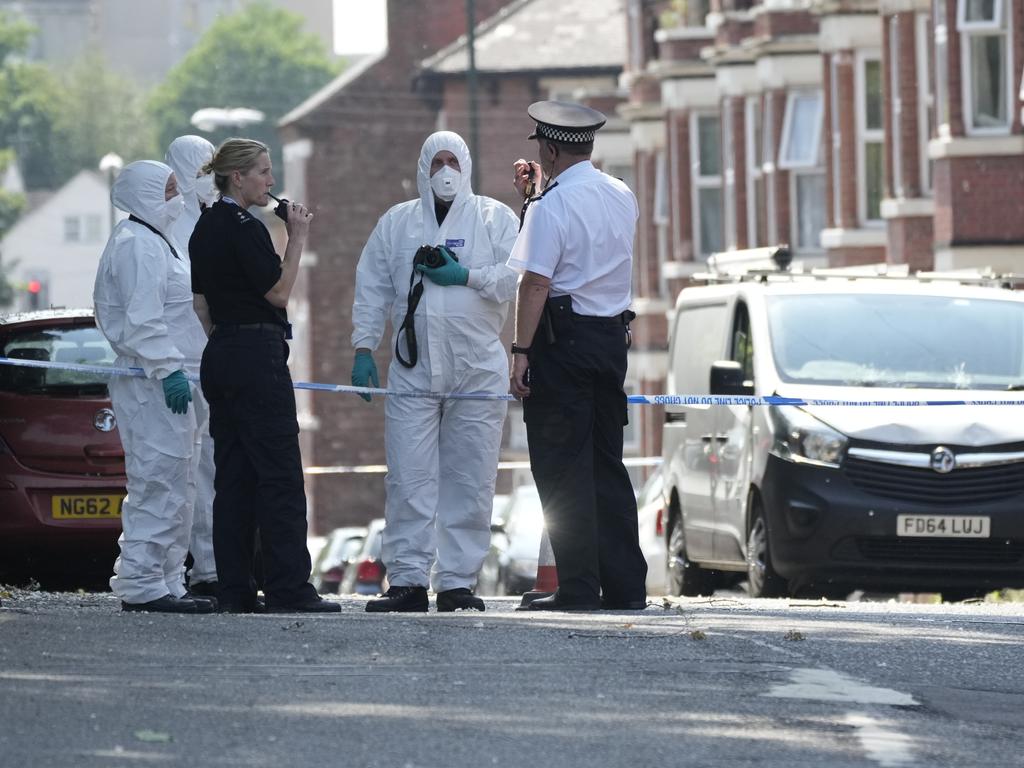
[(574, 418), (258, 481)]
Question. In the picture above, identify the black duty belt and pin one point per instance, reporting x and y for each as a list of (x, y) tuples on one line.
[(273, 328), (614, 320)]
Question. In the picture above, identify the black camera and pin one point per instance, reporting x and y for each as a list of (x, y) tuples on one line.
[(430, 256)]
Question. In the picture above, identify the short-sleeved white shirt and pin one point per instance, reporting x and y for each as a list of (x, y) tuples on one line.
[(580, 235)]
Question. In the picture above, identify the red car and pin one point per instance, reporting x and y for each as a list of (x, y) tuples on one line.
[(62, 478)]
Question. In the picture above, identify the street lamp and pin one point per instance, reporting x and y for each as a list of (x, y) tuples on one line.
[(110, 165), (211, 118)]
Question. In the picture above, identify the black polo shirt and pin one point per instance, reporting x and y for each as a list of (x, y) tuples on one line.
[(234, 265)]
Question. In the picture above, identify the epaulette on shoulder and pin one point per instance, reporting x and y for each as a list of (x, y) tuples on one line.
[(244, 217)]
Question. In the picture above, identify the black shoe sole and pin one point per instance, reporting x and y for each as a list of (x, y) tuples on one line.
[(200, 608), (327, 608)]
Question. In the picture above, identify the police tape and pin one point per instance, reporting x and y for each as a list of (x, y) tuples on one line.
[(740, 400), (372, 469)]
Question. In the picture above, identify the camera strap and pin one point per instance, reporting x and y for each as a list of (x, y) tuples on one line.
[(409, 323)]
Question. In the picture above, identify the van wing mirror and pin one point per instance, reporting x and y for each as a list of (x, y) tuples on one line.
[(727, 379)]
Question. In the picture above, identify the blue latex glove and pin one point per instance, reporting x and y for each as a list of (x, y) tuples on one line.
[(452, 273), (177, 393), (364, 373)]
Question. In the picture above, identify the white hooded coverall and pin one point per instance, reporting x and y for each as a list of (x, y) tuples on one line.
[(143, 302), (186, 155), (442, 454)]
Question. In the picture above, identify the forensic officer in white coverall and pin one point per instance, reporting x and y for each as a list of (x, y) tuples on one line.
[(186, 155), (143, 302), (442, 454)]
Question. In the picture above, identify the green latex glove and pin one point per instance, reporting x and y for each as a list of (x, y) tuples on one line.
[(452, 273), (364, 373), (177, 393)]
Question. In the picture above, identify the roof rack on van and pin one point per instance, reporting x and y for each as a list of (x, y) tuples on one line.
[(776, 263)]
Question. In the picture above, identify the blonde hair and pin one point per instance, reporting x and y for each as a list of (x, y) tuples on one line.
[(233, 155)]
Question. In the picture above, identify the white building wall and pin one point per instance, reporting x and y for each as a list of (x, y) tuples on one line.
[(43, 244)]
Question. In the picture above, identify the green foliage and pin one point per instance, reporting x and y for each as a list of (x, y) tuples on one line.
[(11, 206), (674, 15), (30, 102), (15, 34), (101, 112), (258, 58)]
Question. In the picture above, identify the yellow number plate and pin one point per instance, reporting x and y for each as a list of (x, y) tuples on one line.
[(90, 507)]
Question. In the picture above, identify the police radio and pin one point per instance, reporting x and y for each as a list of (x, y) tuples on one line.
[(281, 211)]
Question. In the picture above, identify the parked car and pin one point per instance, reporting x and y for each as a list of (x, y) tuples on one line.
[(823, 498), (652, 509), (62, 478), (365, 573), (341, 546), (510, 567)]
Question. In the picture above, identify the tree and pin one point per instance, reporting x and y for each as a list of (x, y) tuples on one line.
[(101, 112), (11, 205), (30, 100), (258, 58)]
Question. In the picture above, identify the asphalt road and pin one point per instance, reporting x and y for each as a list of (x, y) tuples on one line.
[(694, 682)]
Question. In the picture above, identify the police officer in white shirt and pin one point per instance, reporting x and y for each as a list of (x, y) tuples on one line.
[(575, 251)]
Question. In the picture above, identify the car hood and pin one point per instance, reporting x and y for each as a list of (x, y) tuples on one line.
[(968, 425)]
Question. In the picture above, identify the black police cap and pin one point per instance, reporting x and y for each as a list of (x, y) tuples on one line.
[(565, 122)]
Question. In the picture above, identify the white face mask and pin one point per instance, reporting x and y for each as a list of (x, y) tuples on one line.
[(169, 212), (445, 183), (206, 190)]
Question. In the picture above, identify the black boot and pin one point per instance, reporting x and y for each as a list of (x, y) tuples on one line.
[(460, 599), (400, 600), (169, 604), (203, 589)]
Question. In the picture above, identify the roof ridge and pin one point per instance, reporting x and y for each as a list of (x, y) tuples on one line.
[(484, 26)]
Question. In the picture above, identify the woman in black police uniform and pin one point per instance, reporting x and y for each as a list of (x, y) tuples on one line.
[(241, 290)]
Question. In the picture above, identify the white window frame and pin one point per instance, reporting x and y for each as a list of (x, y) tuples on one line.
[(73, 229), (730, 239), (661, 216), (972, 30), (925, 100), (794, 212), (896, 107), (941, 65), (994, 24), (771, 228), (755, 172), (700, 181), (837, 140), (865, 136), (785, 161)]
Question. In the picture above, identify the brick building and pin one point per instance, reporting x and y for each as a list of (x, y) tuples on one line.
[(856, 131), (352, 150)]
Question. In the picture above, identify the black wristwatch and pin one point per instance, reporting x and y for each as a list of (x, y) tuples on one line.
[(517, 350)]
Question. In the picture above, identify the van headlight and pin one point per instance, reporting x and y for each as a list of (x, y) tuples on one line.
[(801, 438)]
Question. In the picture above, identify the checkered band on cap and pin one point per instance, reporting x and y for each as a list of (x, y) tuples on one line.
[(565, 135)]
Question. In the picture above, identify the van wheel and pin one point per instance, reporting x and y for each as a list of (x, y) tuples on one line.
[(684, 577), (762, 580)]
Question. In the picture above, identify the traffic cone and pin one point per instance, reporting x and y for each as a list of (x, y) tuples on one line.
[(547, 573)]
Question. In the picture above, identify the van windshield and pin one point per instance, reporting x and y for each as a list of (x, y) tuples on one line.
[(927, 342)]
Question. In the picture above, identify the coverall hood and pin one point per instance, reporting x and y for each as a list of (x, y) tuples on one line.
[(139, 189), (437, 142), (185, 156)]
